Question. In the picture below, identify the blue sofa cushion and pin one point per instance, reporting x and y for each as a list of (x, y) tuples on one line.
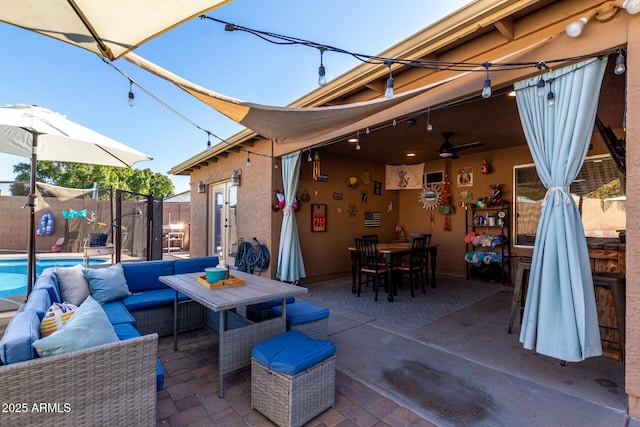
[(39, 301), (88, 327), (302, 312), (117, 313), (143, 276), (126, 331), (22, 331), (292, 352), (49, 281), (194, 265), (107, 284), (152, 299), (274, 303)]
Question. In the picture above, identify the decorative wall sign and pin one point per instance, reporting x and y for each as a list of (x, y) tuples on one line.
[(377, 188), (372, 219), (352, 182), (364, 197), (430, 196), (465, 177), (403, 177), (337, 196), (365, 178), (318, 217), (352, 211)]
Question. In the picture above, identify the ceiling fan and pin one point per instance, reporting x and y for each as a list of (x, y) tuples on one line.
[(447, 149)]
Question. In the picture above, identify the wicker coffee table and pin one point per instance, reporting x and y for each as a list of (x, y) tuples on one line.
[(235, 343)]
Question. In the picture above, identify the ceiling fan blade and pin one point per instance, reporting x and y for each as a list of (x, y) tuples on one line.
[(467, 146)]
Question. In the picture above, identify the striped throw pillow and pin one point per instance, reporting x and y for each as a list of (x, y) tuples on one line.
[(55, 317)]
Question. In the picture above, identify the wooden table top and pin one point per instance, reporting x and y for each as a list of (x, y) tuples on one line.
[(256, 289)]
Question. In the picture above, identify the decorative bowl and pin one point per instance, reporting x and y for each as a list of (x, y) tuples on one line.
[(214, 274)]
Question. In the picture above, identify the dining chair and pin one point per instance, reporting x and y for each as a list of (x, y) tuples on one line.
[(369, 264), (414, 268), (373, 237), (426, 236), (426, 259)]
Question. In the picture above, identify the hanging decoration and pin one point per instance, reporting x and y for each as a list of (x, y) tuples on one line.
[(430, 196), (446, 208), (316, 166)]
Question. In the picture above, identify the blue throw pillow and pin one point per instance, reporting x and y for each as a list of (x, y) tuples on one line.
[(88, 327), (107, 284)]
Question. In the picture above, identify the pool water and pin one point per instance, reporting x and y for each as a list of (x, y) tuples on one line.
[(13, 273)]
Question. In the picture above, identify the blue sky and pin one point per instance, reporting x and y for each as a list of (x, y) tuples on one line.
[(46, 72)]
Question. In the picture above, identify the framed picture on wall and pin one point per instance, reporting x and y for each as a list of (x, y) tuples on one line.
[(318, 217)]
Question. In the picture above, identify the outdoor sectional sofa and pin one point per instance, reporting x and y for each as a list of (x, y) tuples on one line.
[(108, 384)]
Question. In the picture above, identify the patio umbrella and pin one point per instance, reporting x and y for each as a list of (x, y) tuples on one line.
[(41, 134), (107, 28)]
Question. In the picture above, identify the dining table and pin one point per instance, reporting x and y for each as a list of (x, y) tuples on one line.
[(236, 337), (392, 252)]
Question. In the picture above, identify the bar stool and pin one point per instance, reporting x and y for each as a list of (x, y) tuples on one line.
[(519, 294)]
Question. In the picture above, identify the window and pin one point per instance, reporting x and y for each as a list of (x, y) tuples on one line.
[(598, 191)]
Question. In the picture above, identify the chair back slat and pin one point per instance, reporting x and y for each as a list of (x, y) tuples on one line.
[(418, 251), (367, 253), (427, 237)]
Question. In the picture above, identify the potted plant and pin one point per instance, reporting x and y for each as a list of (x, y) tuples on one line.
[(97, 238)]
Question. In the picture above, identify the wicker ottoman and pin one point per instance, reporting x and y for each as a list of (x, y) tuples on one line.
[(293, 378), (262, 311), (306, 317)]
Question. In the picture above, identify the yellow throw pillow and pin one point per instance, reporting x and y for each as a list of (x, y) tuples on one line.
[(55, 317)]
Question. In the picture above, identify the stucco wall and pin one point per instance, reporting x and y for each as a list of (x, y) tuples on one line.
[(632, 364)]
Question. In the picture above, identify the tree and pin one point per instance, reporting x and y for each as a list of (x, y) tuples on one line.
[(80, 175)]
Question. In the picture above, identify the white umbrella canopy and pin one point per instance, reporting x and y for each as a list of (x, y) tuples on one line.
[(59, 139), (107, 28), (41, 134)]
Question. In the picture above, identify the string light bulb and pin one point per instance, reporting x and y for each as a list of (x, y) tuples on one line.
[(248, 159), (388, 93), (322, 79), (132, 97), (358, 140), (309, 159), (429, 125), (620, 68), (208, 140), (542, 88), (631, 6), (551, 99), (486, 89)]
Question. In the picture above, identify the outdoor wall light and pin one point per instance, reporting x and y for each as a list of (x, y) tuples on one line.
[(235, 177), (202, 187)]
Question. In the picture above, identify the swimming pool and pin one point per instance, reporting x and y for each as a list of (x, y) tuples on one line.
[(13, 272)]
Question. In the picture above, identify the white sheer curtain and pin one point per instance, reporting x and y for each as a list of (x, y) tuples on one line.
[(290, 262), (560, 318)]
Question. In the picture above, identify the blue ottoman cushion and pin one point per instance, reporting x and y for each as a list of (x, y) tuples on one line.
[(292, 352), (302, 312)]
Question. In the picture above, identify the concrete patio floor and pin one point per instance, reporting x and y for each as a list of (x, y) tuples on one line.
[(463, 369)]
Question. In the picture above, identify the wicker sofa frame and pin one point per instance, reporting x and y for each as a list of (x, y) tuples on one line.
[(111, 384), (159, 320)]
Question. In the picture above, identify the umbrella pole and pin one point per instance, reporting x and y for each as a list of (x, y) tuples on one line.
[(31, 202)]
